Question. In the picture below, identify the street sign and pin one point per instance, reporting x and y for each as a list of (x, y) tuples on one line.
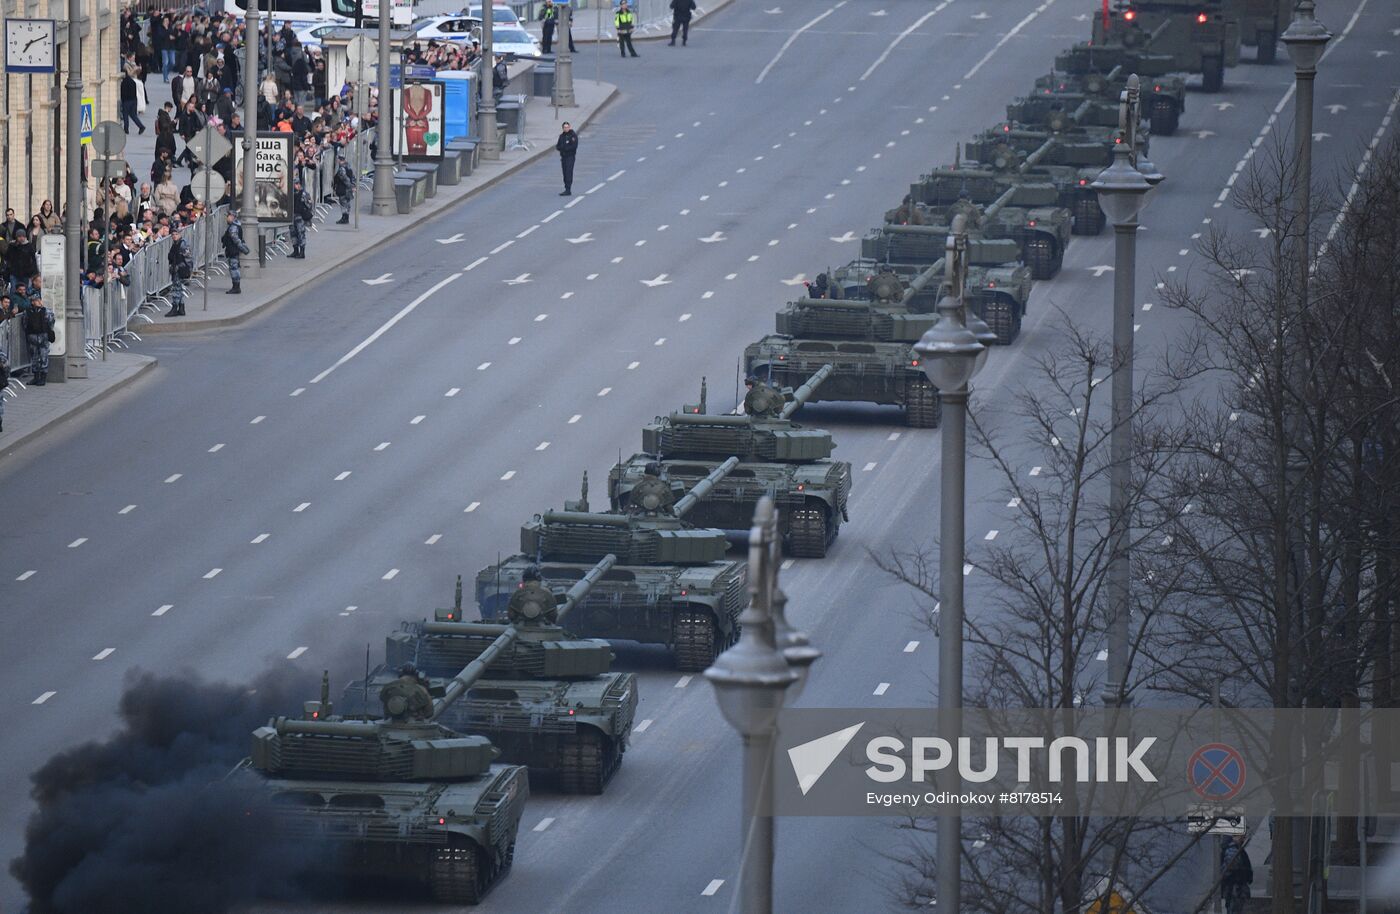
[(108, 139), (1206, 821), (108, 169), (207, 186), (362, 51), (85, 120), (209, 146), (398, 72)]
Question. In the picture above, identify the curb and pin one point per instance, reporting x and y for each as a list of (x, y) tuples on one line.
[(10, 443), (701, 16), (194, 326)]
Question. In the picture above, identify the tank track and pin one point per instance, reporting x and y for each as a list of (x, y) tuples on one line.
[(921, 405), (1164, 117), (1088, 217), (807, 533), (587, 761), (461, 874), (1042, 257), (695, 640)]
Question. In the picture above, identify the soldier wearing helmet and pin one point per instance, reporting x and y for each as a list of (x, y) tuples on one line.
[(407, 698)]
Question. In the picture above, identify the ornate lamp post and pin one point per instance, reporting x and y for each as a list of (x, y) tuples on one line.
[(1305, 38)]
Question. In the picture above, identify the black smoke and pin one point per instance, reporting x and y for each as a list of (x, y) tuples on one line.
[(146, 820)]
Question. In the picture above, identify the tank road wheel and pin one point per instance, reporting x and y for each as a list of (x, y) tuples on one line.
[(457, 875), (1042, 256), (587, 762), (1213, 74), (1267, 51), (1003, 314), (695, 640), (1088, 217), (807, 533), (921, 405), (1164, 117)]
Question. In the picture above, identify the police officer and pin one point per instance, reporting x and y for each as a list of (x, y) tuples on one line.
[(302, 214), (38, 332), (623, 21), (680, 20), (234, 247), (549, 16), (181, 267), (343, 184), (567, 146)]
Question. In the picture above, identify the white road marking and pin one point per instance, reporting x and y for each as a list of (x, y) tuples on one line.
[(752, 258), (683, 318), (384, 328), (791, 226), (967, 570), (301, 507), (216, 448), (416, 420), (104, 653), (212, 574), (452, 391), (639, 243), (483, 366), (528, 230), (724, 184), (1035, 471), (173, 477), (911, 647), (616, 260), (257, 419), (298, 392), (660, 341), (642, 727), (566, 296), (605, 391), (519, 280), (893, 436), (991, 535), (542, 445), (1147, 306), (43, 698), (432, 540), (882, 688), (507, 475), (739, 171), (540, 317), (572, 203), (1101, 655), (870, 466), (632, 366), (381, 445), (682, 682), (502, 246), (731, 276), (704, 197), (685, 212), (260, 538), (710, 889), (513, 341), (600, 185), (297, 653), (77, 542), (772, 242), (845, 181), (778, 56), (662, 228), (552, 216), (574, 418), (474, 264), (390, 574), (162, 610), (591, 276), (471, 507), (544, 823), (707, 294)]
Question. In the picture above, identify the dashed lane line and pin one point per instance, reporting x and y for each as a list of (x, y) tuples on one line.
[(297, 653), (710, 889), (257, 420), (432, 540), (471, 507), (301, 507), (260, 538), (173, 477), (342, 476), (642, 727), (104, 653), (212, 573), (882, 688), (24, 576), (544, 823), (163, 609), (390, 574), (381, 446), (216, 448), (507, 476), (77, 542), (452, 392), (43, 698), (911, 647)]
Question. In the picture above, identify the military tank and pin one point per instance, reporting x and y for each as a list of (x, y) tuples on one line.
[(779, 458), (1029, 214), (1157, 37), (997, 294), (1163, 97), (1261, 24), (548, 701), (673, 584), (401, 796)]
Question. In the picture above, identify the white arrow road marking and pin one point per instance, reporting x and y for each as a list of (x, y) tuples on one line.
[(713, 237), (1202, 134), (581, 239), (1380, 54), (879, 13), (1263, 232), (1082, 17), (1222, 106), (522, 278), (795, 281), (378, 282), (453, 240), (1319, 137), (660, 280), (980, 16), (843, 239), (1335, 108), (774, 11), (1100, 269)]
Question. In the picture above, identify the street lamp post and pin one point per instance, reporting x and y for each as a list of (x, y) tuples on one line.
[(750, 680), (1305, 39), (75, 355), (486, 116), (564, 61), (249, 204), (1122, 190), (382, 203), (950, 354)]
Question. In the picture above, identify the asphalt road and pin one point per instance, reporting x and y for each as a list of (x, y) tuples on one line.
[(288, 490)]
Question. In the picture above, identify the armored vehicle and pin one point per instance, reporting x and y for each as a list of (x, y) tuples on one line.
[(780, 458), (1028, 214), (1163, 97), (673, 584), (998, 294), (401, 796), (548, 700), (1261, 24), (1156, 37)]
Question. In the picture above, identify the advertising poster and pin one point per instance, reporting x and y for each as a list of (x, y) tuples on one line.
[(418, 120), (273, 165)]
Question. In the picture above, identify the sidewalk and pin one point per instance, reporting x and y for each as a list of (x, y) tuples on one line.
[(650, 27), (34, 410)]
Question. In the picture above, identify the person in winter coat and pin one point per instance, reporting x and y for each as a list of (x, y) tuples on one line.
[(234, 248), (302, 214), (624, 20), (181, 268), (38, 323), (48, 218), (130, 102), (21, 261), (1236, 874), (167, 195), (343, 185), (567, 147), (680, 20)]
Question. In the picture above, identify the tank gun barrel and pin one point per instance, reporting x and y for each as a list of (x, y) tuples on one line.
[(472, 672), (804, 393), (1116, 72), (1039, 153), (584, 517), (923, 279), (704, 487), (996, 205), (464, 628), (359, 728), (1157, 32), (583, 585)]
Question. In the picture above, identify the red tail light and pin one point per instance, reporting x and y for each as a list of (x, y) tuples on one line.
[(1202, 18), (1031, 223), (1083, 181), (914, 362), (1130, 15), (442, 821)]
